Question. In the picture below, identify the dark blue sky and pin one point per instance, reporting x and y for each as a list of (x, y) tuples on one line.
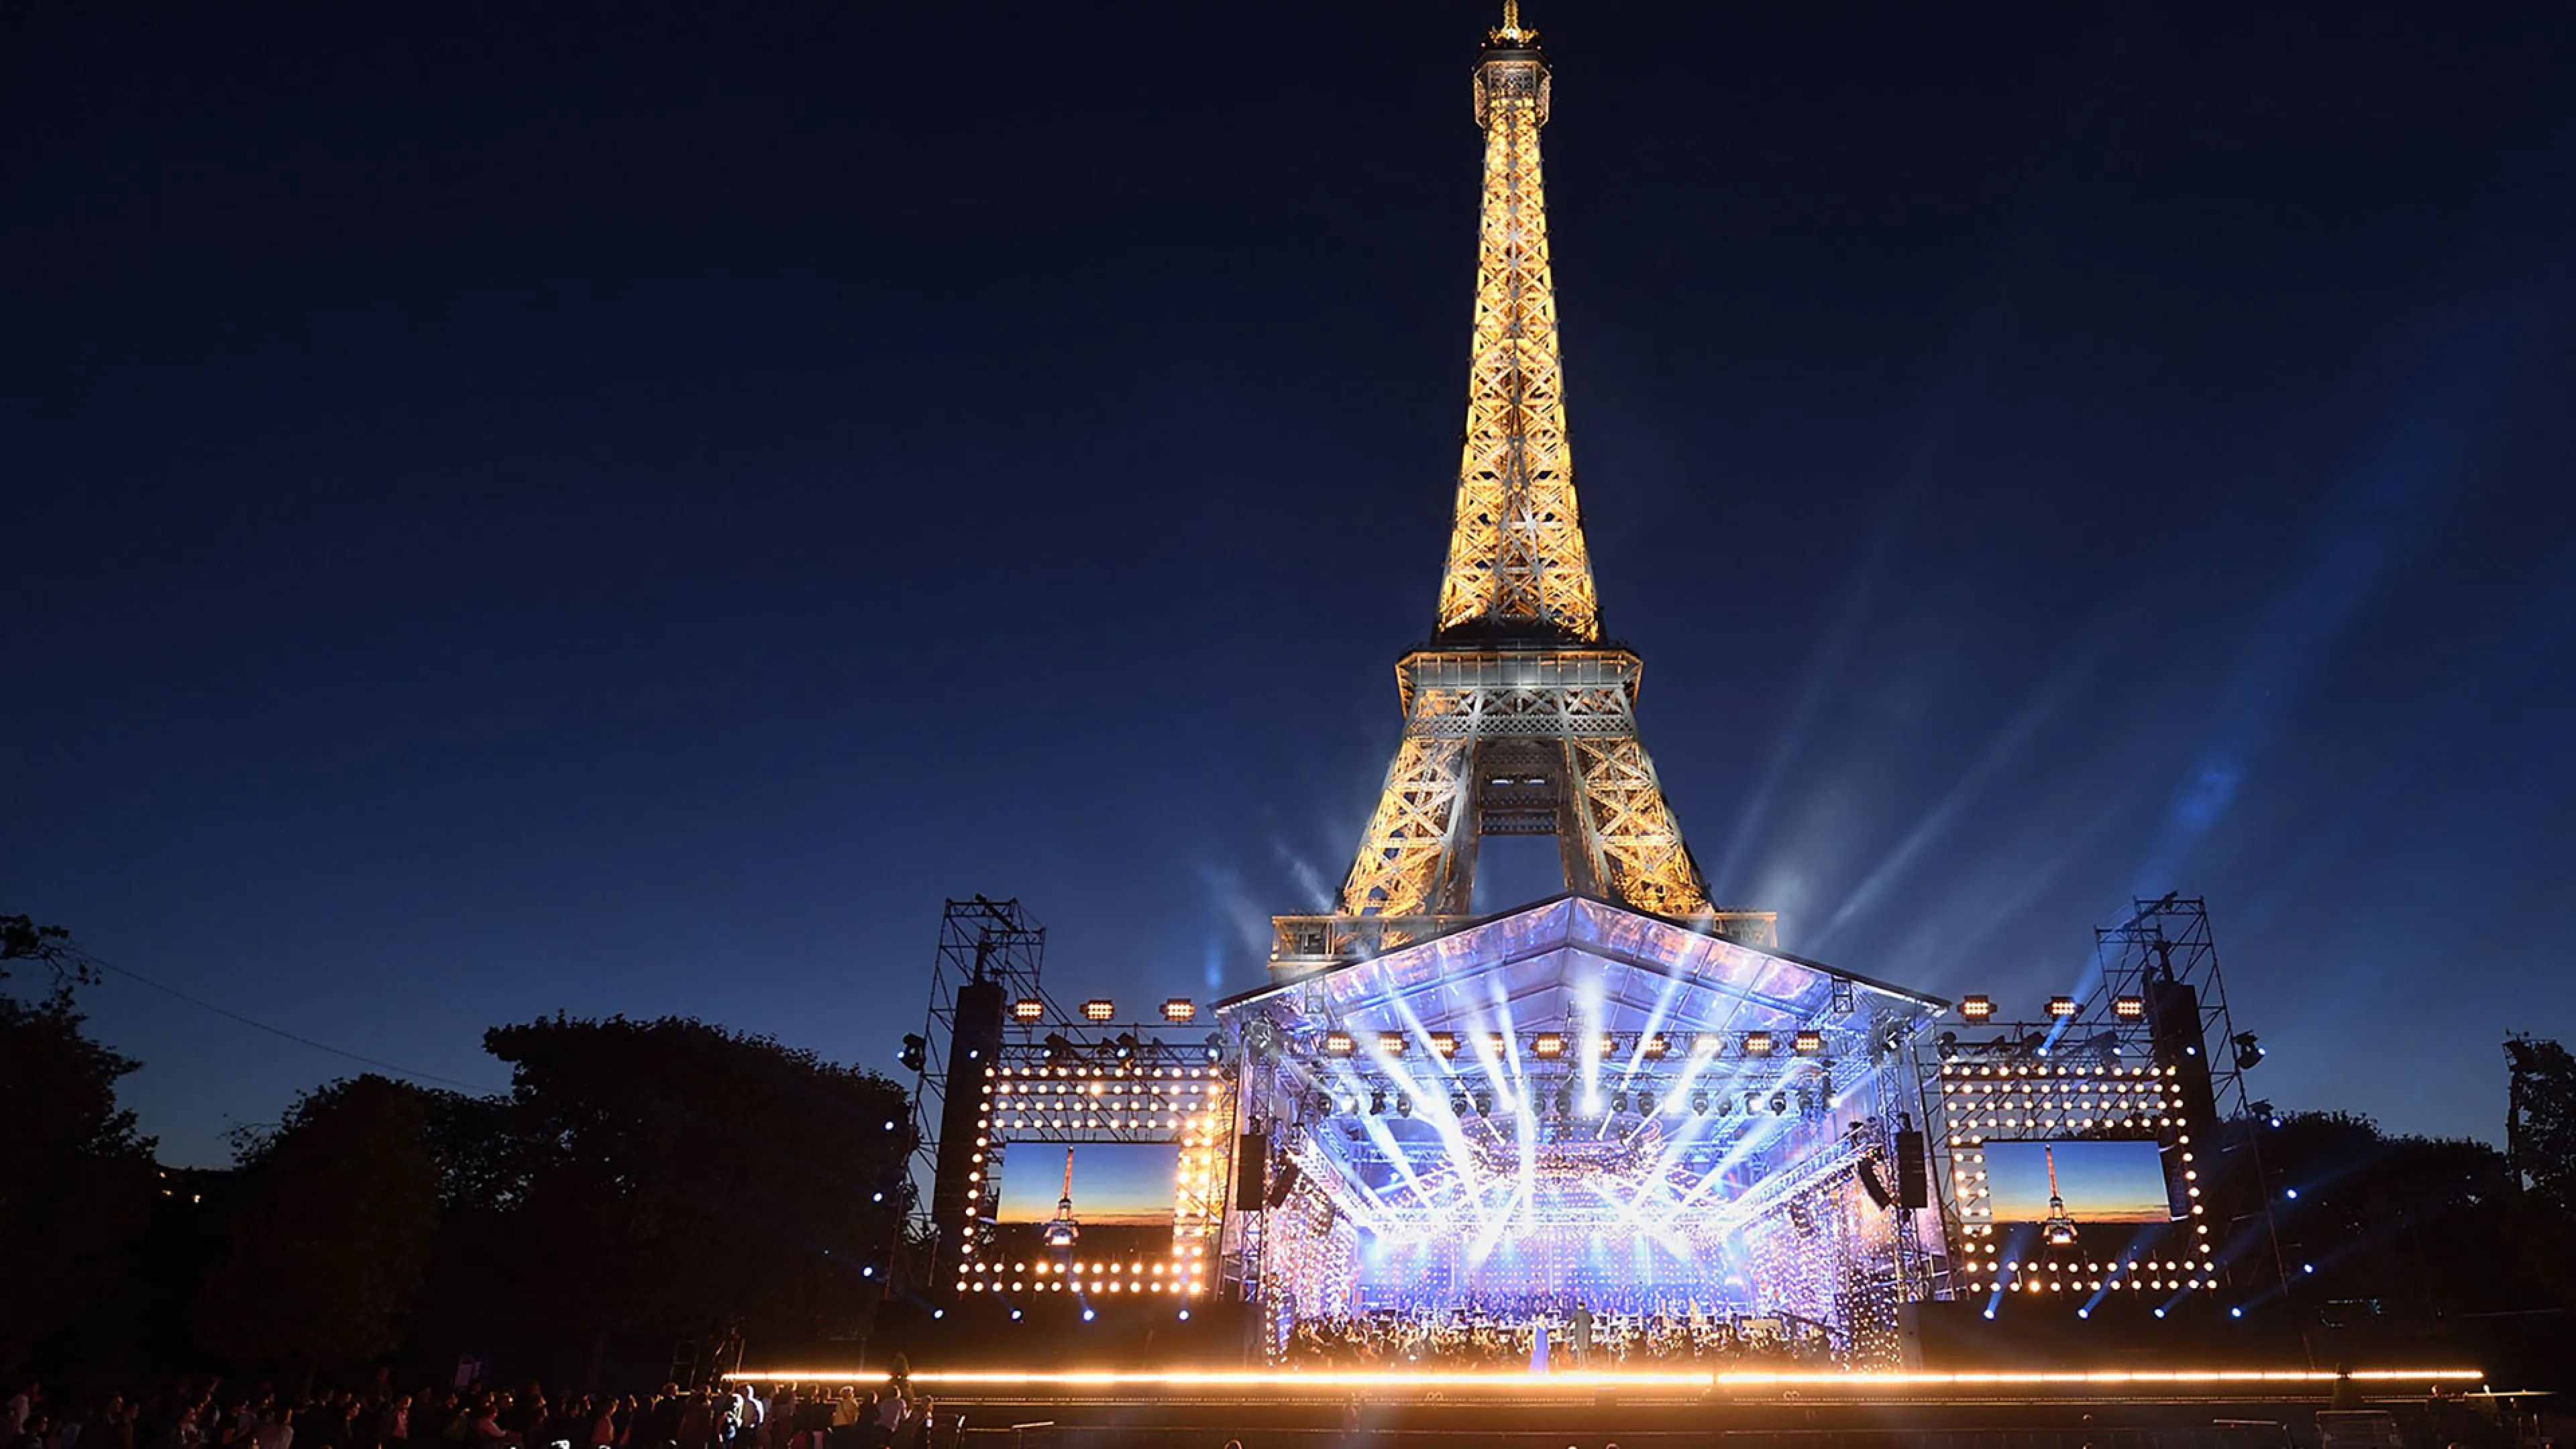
[(624, 507)]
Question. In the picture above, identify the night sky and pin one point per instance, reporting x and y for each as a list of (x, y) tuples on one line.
[(625, 507)]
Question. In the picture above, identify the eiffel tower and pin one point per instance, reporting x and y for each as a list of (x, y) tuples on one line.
[(1519, 718)]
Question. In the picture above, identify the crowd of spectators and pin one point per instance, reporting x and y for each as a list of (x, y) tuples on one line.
[(208, 1414)]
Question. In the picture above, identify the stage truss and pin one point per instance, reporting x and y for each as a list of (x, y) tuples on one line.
[(1058, 1084), (2149, 1055)]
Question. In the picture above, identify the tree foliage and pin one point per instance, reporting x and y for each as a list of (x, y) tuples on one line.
[(337, 1233), (2540, 1128), (670, 1174), (77, 1183)]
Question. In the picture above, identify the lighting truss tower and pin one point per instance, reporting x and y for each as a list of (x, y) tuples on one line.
[(1519, 717), (2169, 940), (980, 940)]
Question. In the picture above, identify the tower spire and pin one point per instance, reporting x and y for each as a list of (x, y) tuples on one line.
[(1517, 563)]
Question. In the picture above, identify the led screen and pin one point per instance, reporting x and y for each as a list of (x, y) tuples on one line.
[(1115, 1184), (2100, 1182)]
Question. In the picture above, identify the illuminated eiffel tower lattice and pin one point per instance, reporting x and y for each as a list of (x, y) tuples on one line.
[(1519, 718)]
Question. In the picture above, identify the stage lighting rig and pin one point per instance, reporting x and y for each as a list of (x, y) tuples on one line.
[(1655, 1046), (916, 1052), (1028, 1008), (1099, 1008), (2129, 1008), (1757, 1043), (2061, 1007), (1807, 1043), (2249, 1052), (1179, 1008), (1977, 1008), (1547, 1044), (1339, 1044), (1445, 1043), (1391, 1043)]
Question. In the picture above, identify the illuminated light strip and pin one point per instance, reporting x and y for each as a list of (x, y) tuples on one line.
[(1291, 1379)]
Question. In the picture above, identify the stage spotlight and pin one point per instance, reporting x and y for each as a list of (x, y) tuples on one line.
[(1098, 1008), (1179, 1008), (1976, 1008), (1565, 1100), (1656, 1046), (1618, 1102), (1706, 1044), (1015, 1315), (2249, 1052), (1185, 1315), (1028, 1008), (2061, 1006), (2236, 1313), (1485, 1105), (2083, 1312), (1947, 1043), (1457, 1104), (1807, 1043), (1757, 1043), (1088, 1315), (1216, 1046), (2160, 1313), (1547, 1044), (1990, 1313), (1445, 1043), (1057, 1048), (1339, 1044), (1404, 1104), (916, 1052), (1125, 1045), (2129, 1008), (1779, 1104), (1377, 1102), (1390, 1043), (1699, 1104)]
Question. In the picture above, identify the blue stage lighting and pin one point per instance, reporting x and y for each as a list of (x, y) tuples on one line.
[(939, 1313), (1185, 1315), (2307, 1267), (1990, 1313), (1015, 1315), (2083, 1312), (2291, 1193), (1088, 1315), (2236, 1313), (2160, 1313)]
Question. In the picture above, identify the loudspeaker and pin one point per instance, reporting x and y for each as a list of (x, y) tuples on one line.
[(1870, 1184), (1282, 1185), (973, 1045), (1251, 1170), (1913, 1176)]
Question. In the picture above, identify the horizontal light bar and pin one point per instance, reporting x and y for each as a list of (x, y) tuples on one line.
[(1293, 1379)]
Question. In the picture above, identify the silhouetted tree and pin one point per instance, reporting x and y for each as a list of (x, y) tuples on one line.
[(2540, 1121), (336, 1232), (76, 1179), (672, 1175)]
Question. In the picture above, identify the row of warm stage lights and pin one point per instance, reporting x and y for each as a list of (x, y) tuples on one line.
[(2073, 1089), (1186, 1278), (2114, 1097), (1071, 1097), (1550, 1045), (2126, 1008), (1030, 1009)]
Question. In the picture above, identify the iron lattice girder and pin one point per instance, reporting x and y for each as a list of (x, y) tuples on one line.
[(1516, 553), (1619, 836)]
